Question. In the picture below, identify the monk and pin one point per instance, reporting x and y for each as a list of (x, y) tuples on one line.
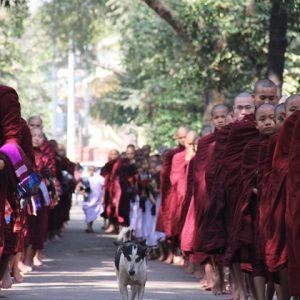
[(194, 220), (265, 91), (109, 205), (179, 181), (280, 115), (10, 127), (39, 223), (166, 192), (293, 196)]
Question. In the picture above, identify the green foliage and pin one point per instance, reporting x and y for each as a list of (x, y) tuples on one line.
[(228, 53)]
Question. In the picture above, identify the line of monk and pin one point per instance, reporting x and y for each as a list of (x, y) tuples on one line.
[(35, 190), (230, 202)]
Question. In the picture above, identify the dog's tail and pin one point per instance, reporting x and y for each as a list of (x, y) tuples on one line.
[(125, 234)]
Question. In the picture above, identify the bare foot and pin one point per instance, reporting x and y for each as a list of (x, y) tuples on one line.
[(203, 283), (6, 280), (24, 268), (17, 274), (178, 261), (169, 259), (37, 262), (190, 269), (110, 229)]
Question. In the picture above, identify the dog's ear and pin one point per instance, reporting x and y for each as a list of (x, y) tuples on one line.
[(144, 251)]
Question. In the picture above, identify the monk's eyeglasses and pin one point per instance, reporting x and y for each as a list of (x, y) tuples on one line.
[(244, 107)]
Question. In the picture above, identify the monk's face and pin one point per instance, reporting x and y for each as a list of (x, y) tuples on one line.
[(113, 155), (190, 141), (292, 106), (279, 118), (243, 106), (35, 123), (265, 121), (181, 136), (37, 137), (264, 95), (219, 117), (146, 150), (130, 153)]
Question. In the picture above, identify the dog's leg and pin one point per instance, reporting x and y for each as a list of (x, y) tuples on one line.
[(141, 292), (134, 292), (124, 292)]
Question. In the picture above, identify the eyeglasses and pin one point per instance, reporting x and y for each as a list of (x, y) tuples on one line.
[(244, 107)]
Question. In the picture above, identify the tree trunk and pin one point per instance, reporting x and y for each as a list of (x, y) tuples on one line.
[(278, 41), (170, 17)]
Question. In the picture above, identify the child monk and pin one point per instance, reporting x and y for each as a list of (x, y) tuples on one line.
[(292, 104), (39, 224), (280, 115), (205, 150), (265, 91), (178, 177), (166, 192)]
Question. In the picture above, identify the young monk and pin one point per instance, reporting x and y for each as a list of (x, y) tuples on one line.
[(293, 194), (109, 206), (179, 181), (248, 212), (166, 192), (280, 115), (204, 153), (292, 104), (39, 224), (265, 91)]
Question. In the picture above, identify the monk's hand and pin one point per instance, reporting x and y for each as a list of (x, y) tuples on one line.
[(2, 164), (254, 191)]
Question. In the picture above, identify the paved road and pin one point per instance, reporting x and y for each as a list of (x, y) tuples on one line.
[(80, 266)]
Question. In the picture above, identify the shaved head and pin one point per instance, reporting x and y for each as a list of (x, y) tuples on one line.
[(292, 104), (265, 119), (191, 136), (280, 115), (180, 135), (265, 91), (218, 115), (35, 122), (243, 105), (263, 108)]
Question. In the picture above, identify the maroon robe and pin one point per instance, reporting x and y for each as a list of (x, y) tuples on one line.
[(213, 219), (10, 127), (109, 207), (276, 246), (165, 187), (293, 209), (178, 203), (203, 157)]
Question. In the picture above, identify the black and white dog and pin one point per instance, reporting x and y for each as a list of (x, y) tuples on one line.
[(131, 265)]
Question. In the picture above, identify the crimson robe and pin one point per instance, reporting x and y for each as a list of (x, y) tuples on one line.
[(10, 128), (128, 177), (178, 203), (213, 219), (203, 157), (106, 172), (276, 247), (165, 187), (292, 215)]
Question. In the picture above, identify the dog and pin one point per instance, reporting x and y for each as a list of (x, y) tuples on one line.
[(130, 265)]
